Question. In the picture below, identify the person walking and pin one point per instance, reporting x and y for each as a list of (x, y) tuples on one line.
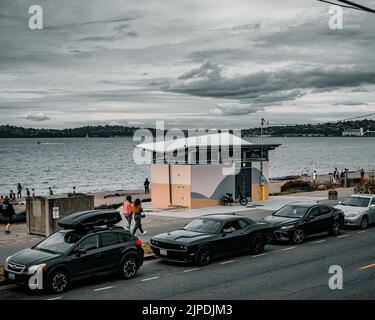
[(147, 186), (128, 211), (138, 215), (27, 192), (8, 213), (362, 174), (315, 177), (19, 190), (50, 191)]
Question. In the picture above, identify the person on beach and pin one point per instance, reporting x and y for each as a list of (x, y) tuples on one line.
[(1, 199), (315, 177), (127, 210), (147, 186), (362, 173), (33, 192), (138, 215), (74, 190), (50, 191), (27, 192), (12, 195), (19, 190), (7, 210)]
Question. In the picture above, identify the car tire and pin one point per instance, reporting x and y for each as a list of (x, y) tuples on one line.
[(203, 256), (129, 268), (298, 236), (244, 201), (336, 228), (257, 244), (364, 222), (58, 281)]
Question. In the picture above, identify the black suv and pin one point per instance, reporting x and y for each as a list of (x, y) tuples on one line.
[(89, 245)]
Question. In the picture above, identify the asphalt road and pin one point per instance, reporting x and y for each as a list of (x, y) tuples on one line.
[(282, 272)]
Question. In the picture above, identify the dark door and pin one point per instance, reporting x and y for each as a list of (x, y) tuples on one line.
[(83, 264), (243, 182), (325, 218), (234, 237), (311, 223), (111, 244)]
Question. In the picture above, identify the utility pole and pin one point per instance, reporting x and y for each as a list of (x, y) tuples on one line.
[(261, 182)]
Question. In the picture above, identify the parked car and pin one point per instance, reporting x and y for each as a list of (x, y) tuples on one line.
[(210, 237), (89, 245), (297, 221), (359, 210)]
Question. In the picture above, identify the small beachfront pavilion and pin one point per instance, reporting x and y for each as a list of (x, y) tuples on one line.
[(195, 172)]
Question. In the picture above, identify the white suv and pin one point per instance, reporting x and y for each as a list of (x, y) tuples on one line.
[(359, 210)]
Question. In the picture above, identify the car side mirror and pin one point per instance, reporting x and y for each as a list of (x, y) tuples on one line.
[(79, 252), (372, 206)]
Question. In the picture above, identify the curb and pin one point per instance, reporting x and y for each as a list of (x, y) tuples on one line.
[(149, 257)]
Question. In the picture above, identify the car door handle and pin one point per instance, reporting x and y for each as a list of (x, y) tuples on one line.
[(98, 255)]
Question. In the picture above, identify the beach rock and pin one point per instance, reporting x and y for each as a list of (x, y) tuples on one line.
[(322, 187)]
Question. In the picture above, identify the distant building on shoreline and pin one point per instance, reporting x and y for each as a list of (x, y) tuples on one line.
[(353, 132)]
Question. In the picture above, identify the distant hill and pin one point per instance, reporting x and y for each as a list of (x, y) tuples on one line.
[(332, 129)]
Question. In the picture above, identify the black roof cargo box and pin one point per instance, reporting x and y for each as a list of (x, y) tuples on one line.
[(92, 218)]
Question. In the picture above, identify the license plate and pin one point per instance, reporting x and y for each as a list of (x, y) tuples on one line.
[(11, 276), (163, 252)]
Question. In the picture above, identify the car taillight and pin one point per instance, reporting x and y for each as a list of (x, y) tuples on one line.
[(138, 243)]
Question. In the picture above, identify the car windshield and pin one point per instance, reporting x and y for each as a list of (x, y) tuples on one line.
[(292, 211), (59, 242), (203, 226), (356, 202)]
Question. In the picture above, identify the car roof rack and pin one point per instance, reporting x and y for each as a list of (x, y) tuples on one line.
[(90, 219)]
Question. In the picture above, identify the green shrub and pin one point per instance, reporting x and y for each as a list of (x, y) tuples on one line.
[(296, 185), (366, 186)]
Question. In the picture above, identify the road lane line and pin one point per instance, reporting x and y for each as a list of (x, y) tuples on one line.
[(104, 288), (319, 241), (261, 255), (190, 270), (148, 279), (367, 266), (286, 249), (343, 236), (56, 298), (363, 231), (227, 262)]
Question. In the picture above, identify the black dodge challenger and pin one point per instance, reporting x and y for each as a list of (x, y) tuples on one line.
[(212, 236)]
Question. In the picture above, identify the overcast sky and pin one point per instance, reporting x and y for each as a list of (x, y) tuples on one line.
[(192, 63)]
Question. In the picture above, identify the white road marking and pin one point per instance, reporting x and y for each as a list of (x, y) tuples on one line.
[(227, 262), (190, 270), (363, 231), (343, 236), (286, 249), (105, 288), (319, 241), (148, 279), (261, 255), (56, 298)]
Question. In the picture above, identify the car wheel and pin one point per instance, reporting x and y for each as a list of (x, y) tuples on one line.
[(298, 236), (336, 228), (224, 202), (364, 222), (129, 268), (258, 244), (59, 281), (203, 256), (243, 201)]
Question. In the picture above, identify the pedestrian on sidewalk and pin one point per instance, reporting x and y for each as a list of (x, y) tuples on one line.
[(19, 190), (127, 210), (138, 216), (147, 186), (8, 213)]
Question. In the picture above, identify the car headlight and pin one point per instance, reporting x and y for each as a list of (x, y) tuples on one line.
[(6, 261), (34, 269), (291, 227), (352, 215)]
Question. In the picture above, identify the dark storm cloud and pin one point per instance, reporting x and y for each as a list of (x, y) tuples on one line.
[(269, 86)]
